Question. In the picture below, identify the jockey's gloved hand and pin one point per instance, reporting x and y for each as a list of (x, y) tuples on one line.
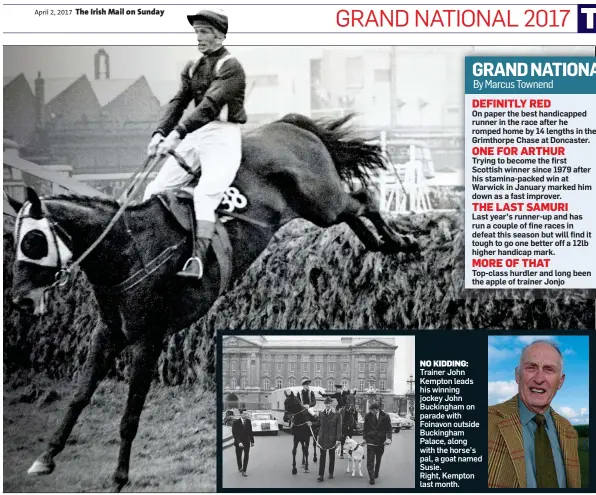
[(155, 140), (169, 143)]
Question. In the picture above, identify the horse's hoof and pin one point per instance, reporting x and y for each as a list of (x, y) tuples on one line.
[(42, 465), (294, 471), (306, 470)]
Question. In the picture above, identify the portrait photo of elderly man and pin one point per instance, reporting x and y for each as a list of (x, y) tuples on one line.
[(529, 444)]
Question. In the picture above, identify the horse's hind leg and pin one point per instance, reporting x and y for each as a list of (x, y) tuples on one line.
[(145, 354), (106, 344), (362, 204)]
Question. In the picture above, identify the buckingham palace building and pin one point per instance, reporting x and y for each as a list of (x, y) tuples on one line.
[(254, 366)]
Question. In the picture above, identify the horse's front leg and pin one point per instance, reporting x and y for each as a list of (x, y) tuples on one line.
[(343, 441), (305, 453), (144, 360), (294, 470), (106, 344)]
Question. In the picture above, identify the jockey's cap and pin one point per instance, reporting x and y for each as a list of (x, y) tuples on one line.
[(306, 381), (374, 405), (214, 17)]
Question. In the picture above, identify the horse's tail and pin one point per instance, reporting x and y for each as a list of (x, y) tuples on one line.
[(354, 157)]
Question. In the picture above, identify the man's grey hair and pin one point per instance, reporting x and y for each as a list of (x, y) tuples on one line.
[(542, 341)]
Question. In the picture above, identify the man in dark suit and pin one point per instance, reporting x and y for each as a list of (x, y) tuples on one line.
[(377, 433), (243, 440), (329, 437), (306, 396)]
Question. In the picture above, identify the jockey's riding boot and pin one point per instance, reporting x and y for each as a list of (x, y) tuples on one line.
[(202, 237), (193, 268)]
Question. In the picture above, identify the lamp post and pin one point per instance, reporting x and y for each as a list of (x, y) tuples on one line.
[(410, 398)]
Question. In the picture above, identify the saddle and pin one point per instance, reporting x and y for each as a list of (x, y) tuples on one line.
[(180, 204)]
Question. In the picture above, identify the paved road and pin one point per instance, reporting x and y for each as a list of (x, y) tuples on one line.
[(270, 466)]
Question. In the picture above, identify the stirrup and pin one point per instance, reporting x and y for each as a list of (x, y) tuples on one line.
[(189, 261)]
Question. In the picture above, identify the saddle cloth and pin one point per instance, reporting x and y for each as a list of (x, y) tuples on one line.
[(180, 204)]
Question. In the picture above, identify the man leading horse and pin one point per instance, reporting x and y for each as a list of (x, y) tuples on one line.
[(209, 136)]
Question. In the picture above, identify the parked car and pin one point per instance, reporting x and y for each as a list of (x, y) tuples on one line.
[(395, 422), (264, 422), (406, 423)]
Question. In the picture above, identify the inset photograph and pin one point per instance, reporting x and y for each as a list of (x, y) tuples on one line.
[(538, 414), (317, 412)]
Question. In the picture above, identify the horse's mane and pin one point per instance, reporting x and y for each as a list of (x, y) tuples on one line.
[(93, 201), (355, 157)]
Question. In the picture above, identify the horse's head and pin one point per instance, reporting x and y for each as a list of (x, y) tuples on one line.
[(40, 254), (351, 399), (292, 404)]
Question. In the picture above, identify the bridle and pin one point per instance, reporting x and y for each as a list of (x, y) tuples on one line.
[(56, 232)]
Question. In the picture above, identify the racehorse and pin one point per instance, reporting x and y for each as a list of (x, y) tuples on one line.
[(316, 424), (302, 421), (291, 168), (349, 420)]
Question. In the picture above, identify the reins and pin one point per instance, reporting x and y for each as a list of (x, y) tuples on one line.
[(64, 273)]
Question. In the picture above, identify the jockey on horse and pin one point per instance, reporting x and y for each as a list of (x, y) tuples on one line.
[(341, 396), (306, 396), (209, 136)]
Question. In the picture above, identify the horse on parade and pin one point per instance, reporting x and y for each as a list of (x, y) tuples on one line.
[(130, 254), (302, 419)]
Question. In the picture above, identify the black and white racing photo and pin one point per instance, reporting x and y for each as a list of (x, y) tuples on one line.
[(157, 195), (317, 412)]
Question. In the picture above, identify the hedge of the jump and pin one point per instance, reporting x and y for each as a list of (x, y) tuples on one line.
[(308, 278)]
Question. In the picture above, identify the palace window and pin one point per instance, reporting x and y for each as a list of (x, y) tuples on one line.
[(383, 367), (233, 382), (244, 365), (361, 385), (382, 384), (371, 367), (278, 367), (345, 383), (330, 384), (304, 367), (362, 367), (318, 383), (266, 383), (233, 365), (278, 383), (318, 367), (344, 367), (292, 382), (244, 382), (292, 367), (331, 367)]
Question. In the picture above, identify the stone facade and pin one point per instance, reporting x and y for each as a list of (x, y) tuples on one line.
[(254, 366)]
